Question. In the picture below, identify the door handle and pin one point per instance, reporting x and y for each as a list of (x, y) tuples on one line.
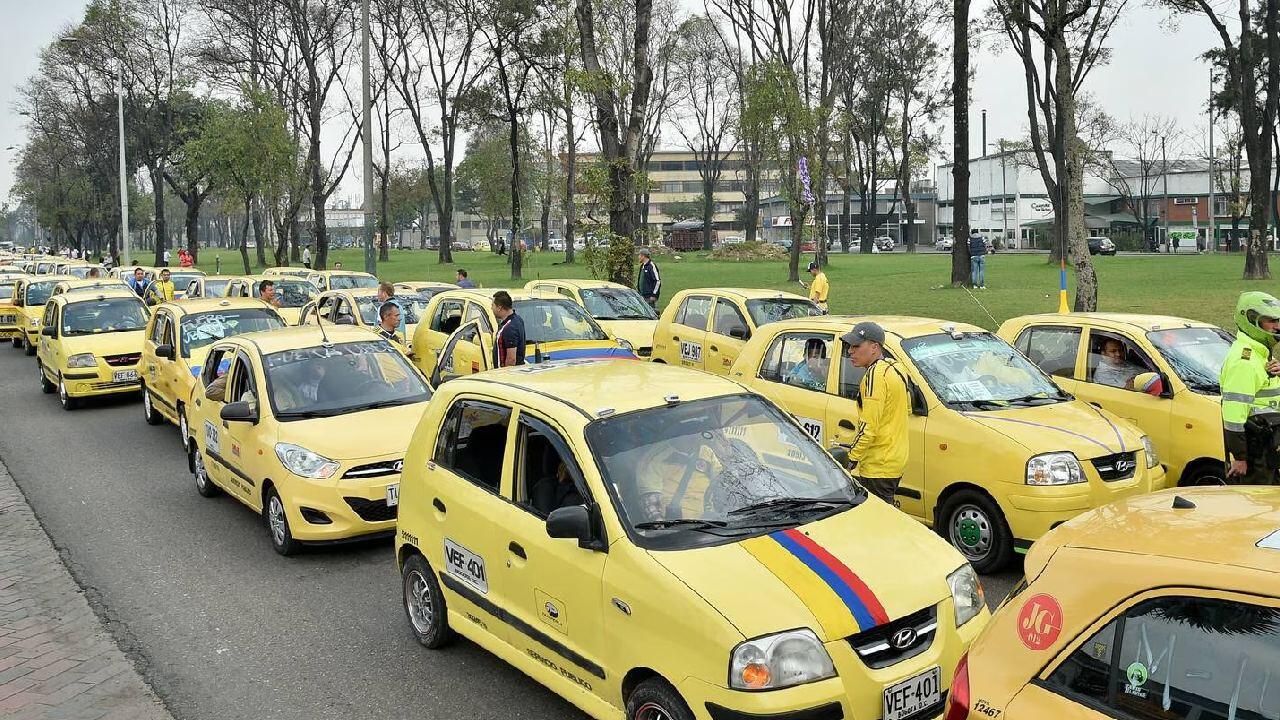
[(1096, 404), (846, 425), (715, 349), (516, 550), (435, 502)]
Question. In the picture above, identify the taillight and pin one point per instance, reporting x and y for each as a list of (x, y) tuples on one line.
[(958, 698)]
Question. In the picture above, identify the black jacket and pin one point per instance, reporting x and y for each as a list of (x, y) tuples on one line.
[(650, 283)]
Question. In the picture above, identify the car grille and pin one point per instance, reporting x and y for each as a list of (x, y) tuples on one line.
[(375, 470), (8, 319), (119, 360), (371, 510), (1120, 466), (115, 385), (876, 646)]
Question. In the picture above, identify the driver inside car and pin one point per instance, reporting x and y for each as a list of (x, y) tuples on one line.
[(704, 477)]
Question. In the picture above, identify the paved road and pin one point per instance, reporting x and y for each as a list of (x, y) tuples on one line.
[(220, 625)]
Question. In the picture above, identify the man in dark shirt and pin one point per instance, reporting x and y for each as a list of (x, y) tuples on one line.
[(649, 284), (463, 280), (508, 349), (389, 322)]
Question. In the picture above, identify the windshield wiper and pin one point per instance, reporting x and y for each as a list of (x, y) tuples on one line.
[(1032, 398), (690, 523), (380, 404), (309, 414), (792, 504)]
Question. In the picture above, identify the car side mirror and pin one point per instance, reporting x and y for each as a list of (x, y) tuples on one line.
[(49, 331), (739, 333), (840, 453), (165, 351), (1153, 384), (240, 411), (572, 523)]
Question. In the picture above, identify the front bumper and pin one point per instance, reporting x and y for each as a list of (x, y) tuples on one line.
[(329, 511), (856, 692), (100, 380)]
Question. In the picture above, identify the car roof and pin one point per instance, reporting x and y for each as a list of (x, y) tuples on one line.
[(294, 337), (580, 283), (601, 387), (904, 326), (73, 298), (220, 277), (273, 278), (200, 305), (49, 278), (484, 295), (425, 283), (89, 282), (338, 272), (1238, 525), (1145, 323), (744, 293)]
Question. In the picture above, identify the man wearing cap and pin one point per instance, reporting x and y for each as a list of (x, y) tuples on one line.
[(820, 287), (879, 450)]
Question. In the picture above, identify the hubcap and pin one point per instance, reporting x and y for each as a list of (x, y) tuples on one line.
[(62, 392), (419, 601), (971, 531), (652, 711), (202, 480), (275, 516), (182, 428), (146, 402)]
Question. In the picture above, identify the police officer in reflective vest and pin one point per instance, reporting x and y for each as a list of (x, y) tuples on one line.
[(1250, 384)]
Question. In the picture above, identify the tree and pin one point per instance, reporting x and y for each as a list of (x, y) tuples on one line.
[(484, 177), (960, 266)]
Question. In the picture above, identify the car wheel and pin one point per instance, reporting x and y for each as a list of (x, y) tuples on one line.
[(149, 412), (17, 342), (68, 403), (655, 699), (976, 527), (277, 520), (183, 430), (204, 485), (31, 348), (1206, 474), (46, 387), (424, 604)]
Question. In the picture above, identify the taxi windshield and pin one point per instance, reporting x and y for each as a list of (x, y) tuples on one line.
[(553, 320), (290, 293), (771, 310), (715, 470), (979, 371), (217, 288), (206, 328), (79, 271), (93, 317), (39, 293), (97, 286), (351, 282), (616, 304), (181, 280), (333, 380), (411, 307), (1196, 354)]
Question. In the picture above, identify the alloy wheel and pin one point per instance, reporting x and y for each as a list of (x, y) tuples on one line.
[(971, 531), (420, 602)]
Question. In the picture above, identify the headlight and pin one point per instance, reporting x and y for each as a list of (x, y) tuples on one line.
[(1055, 468), (304, 463), (83, 360), (35, 322), (1147, 447), (625, 345), (966, 594), (779, 661)]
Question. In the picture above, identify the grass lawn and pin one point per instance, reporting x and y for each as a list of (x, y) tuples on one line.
[(1201, 287)]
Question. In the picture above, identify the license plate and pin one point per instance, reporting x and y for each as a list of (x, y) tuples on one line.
[(393, 495), (8, 319), (912, 695), (125, 375)]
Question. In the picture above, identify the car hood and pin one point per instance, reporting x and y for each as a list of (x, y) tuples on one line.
[(116, 343), (637, 332), (1075, 426), (839, 576), (342, 438)]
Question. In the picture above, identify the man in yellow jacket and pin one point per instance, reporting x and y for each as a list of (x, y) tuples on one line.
[(1250, 384), (819, 288), (879, 451), (161, 291)]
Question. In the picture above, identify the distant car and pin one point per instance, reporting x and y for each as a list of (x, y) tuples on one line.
[(1101, 246), (555, 244), (884, 243), (944, 244), (456, 245), (479, 245), (733, 240)]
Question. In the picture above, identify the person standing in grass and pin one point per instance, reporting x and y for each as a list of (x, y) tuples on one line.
[(977, 260), (650, 283), (819, 288)]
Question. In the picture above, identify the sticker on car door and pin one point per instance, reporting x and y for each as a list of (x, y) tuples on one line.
[(466, 566), (211, 441), (690, 351), (813, 428)]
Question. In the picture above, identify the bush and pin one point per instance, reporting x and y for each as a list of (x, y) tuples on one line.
[(750, 252)]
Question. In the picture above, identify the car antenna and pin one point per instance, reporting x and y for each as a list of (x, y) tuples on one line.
[(1181, 503), (537, 353), (324, 339)]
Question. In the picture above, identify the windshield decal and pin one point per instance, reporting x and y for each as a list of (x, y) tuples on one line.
[(321, 352), (831, 591)]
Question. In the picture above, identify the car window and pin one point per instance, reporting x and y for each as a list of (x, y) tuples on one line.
[(609, 303), (693, 312), (335, 379), (193, 289), (50, 314), (448, 316), (799, 359), (556, 319), (770, 310), (157, 328), (548, 478), (325, 308), (241, 387), (1114, 360), (477, 313), (203, 329), (217, 364), (473, 442), (1180, 657), (1053, 349), (728, 321), (979, 371)]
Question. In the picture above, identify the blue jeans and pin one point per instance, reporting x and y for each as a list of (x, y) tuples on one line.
[(978, 270)]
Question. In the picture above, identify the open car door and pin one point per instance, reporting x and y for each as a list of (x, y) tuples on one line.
[(467, 351)]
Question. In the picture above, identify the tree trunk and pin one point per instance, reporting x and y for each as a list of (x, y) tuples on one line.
[(708, 213), (545, 221), (1081, 261), (157, 190), (244, 238), (797, 239), (192, 223), (259, 239), (961, 272), (319, 231), (1256, 265), (513, 143)]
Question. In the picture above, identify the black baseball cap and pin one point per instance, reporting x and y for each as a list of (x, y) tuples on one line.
[(863, 332)]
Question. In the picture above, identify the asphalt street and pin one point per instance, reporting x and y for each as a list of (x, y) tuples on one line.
[(221, 626)]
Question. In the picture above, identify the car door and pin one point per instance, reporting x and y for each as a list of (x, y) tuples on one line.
[(689, 330), (726, 337), (467, 351), (49, 348), (552, 586), (227, 441), (175, 373), (1152, 414), (469, 480), (249, 446), (206, 425), (798, 384), (152, 375)]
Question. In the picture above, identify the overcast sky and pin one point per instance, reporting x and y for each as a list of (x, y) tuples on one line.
[(1154, 69)]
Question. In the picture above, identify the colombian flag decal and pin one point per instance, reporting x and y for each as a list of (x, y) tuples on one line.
[(838, 598), (589, 353)]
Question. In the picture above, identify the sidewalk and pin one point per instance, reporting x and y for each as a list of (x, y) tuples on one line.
[(57, 661)]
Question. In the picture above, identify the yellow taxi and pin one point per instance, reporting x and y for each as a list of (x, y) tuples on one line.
[(459, 327), (617, 308), (177, 339), (77, 268), (340, 280), (208, 286), (292, 294), (287, 271), (706, 328), (361, 308), (89, 285), (307, 426), (1109, 359), (90, 344), (10, 317), (1162, 606), (45, 265), (29, 296), (998, 454), (654, 543)]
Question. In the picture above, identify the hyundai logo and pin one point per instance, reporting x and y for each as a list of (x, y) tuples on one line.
[(1124, 466), (398, 465), (903, 639)]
